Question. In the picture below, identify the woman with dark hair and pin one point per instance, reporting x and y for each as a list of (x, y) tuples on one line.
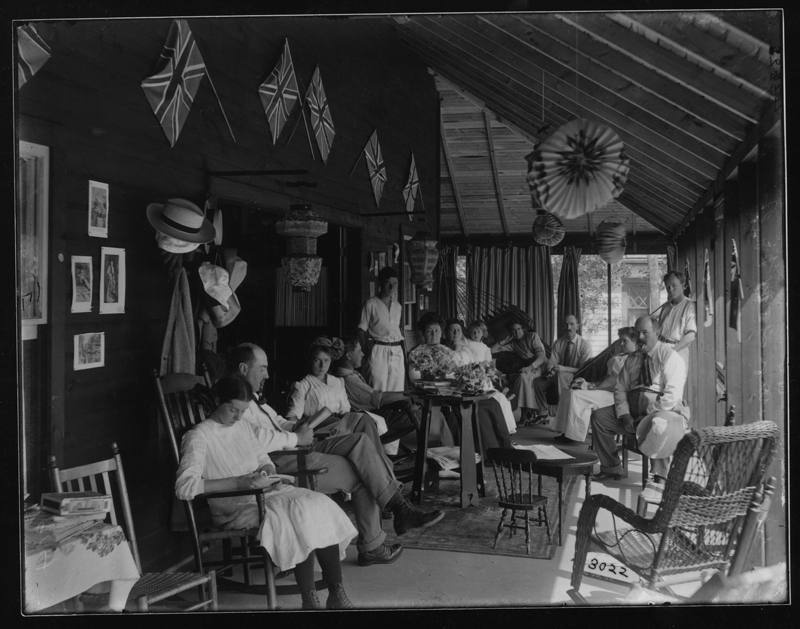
[(529, 354), (322, 393), (575, 405), (223, 453)]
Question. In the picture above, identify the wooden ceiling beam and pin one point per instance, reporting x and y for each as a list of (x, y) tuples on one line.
[(453, 181), (619, 72), (717, 46), (768, 121), (486, 84), (630, 202), (661, 59), (672, 118), (497, 185)]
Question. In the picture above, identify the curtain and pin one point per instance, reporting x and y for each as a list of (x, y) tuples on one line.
[(569, 292), (672, 256), (448, 297), (518, 276)]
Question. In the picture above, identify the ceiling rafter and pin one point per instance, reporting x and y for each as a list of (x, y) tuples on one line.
[(644, 154), (453, 181), (497, 185)]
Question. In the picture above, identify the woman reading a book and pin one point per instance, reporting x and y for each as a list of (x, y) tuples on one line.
[(575, 405), (321, 398), (223, 453)]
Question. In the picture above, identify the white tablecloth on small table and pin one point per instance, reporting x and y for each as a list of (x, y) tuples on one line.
[(98, 558)]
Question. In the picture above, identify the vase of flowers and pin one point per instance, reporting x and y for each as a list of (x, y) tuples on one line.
[(476, 377), (434, 362)]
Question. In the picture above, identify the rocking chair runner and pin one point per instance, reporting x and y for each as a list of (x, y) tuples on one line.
[(707, 515), (152, 587), (180, 410)]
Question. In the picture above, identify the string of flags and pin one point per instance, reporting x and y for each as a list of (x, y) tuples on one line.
[(180, 69)]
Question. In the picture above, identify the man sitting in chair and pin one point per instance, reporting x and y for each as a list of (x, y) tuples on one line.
[(647, 403), (356, 465), (569, 353), (401, 417)]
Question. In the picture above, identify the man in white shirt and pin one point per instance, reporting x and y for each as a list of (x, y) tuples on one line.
[(356, 465), (381, 337), (651, 381)]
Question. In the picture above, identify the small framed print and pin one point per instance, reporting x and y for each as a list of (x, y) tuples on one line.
[(90, 350), (98, 209), (381, 260), (82, 284), (409, 288), (112, 280)]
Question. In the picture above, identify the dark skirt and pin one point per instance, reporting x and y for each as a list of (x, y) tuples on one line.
[(491, 424)]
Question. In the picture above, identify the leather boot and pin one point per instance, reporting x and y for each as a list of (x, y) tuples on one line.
[(310, 600), (337, 598), (407, 517)]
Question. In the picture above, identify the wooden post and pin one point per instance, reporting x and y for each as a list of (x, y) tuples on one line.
[(773, 321), (608, 274)]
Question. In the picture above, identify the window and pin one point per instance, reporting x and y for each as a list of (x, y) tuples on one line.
[(32, 217)]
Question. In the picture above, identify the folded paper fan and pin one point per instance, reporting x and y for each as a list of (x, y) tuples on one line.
[(547, 230)]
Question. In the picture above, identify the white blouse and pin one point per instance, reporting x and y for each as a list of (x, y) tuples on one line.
[(311, 394)]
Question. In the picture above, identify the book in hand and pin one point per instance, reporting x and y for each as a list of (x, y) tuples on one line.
[(316, 419)]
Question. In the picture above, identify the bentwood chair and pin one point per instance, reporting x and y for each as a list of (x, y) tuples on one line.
[(714, 495), (151, 587), (514, 476), (182, 405)]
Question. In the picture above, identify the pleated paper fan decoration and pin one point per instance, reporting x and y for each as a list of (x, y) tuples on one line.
[(578, 169), (611, 241), (547, 229)]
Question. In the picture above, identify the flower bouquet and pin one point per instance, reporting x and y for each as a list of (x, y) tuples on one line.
[(476, 378), (434, 362)]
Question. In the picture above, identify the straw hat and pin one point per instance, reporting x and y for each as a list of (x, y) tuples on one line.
[(181, 219), (659, 433)]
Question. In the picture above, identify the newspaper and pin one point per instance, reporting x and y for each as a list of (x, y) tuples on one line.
[(448, 457), (545, 453)]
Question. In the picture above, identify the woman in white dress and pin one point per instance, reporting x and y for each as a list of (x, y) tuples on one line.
[(320, 391), (223, 453), (471, 351), (575, 405)]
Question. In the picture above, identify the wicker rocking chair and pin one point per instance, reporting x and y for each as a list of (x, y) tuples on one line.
[(707, 518)]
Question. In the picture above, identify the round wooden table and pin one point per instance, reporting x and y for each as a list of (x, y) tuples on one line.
[(582, 463), (471, 472)]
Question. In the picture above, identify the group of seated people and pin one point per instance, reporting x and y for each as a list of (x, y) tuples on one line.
[(243, 440)]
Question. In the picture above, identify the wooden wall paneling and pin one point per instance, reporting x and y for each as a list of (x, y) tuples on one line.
[(733, 347), (721, 284), (773, 321), (749, 263)]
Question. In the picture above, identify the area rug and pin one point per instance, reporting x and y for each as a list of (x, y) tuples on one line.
[(472, 529)]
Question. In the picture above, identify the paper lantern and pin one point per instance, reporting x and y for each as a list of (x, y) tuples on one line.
[(424, 254), (301, 227), (578, 169), (610, 239), (547, 229)]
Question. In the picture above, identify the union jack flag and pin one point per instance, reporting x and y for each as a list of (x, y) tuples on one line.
[(708, 292), (411, 188), (33, 53), (172, 88), (737, 292), (375, 165), (687, 282), (321, 120), (279, 93)]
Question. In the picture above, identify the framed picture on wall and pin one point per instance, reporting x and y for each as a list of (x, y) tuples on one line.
[(112, 280), (98, 209), (89, 350), (409, 288), (81, 284)]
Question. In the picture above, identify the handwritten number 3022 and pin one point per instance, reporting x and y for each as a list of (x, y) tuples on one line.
[(602, 566)]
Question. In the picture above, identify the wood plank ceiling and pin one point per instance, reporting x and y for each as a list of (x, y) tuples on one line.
[(688, 93)]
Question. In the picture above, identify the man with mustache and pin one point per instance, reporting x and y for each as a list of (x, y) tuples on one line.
[(355, 465), (647, 402)]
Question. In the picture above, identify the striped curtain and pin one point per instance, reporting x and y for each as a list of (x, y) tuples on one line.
[(448, 300), (521, 276), (301, 309), (569, 291)]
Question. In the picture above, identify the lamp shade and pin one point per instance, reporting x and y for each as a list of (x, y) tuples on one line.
[(578, 169), (610, 240), (424, 254), (548, 230), (301, 227)]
